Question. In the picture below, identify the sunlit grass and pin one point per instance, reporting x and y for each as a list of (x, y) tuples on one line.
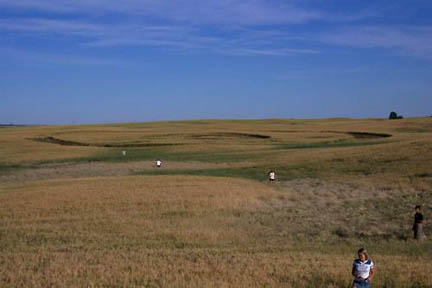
[(189, 231), (71, 217)]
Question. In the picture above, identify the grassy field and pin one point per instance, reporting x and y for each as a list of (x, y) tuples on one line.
[(75, 212)]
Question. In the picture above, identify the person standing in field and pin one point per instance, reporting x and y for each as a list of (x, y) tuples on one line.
[(362, 270), (418, 223), (272, 176), (158, 163)]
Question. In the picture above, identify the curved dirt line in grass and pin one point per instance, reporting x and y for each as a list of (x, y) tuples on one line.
[(368, 135), (199, 136), (204, 136), (62, 142), (215, 135), (355, 134)]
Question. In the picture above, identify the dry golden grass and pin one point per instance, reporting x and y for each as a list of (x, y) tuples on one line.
[(16, 146), (201, 136), (77, 216), (172, 231)]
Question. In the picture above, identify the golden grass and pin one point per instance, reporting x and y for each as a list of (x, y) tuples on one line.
[(16, 146), (194, 136), (68, 223), (169, 231), (203, 268)]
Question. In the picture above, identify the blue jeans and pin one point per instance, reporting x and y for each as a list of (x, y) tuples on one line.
[(361, 284)]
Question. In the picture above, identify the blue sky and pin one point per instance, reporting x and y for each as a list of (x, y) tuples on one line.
[(96, 61)]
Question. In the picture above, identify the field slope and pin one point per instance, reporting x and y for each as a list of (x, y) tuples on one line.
[(76, 212)]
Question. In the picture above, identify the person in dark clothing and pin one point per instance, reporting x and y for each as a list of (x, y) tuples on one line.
[(418, 223)]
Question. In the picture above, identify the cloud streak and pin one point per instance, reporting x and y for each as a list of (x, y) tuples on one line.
[(231, 27), (181, 38), (411, 40), (35, 58), (227, 12)]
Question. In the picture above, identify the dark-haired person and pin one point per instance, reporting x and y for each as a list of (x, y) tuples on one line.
[(418, 223), (362, 270)]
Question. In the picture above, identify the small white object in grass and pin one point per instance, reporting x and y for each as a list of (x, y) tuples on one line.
[(158, 163), (124, 153), (272, 176)]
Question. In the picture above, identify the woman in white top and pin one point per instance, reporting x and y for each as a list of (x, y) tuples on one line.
[(362, 270)]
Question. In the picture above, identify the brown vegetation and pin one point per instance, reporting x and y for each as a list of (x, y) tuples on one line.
[(79, 217)]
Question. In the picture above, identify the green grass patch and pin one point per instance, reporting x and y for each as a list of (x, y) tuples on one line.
[(6, 168), (147, 154), (114, 155), (9, 167), (257, 173)]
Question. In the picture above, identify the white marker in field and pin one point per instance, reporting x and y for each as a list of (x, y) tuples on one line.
[(158, 163), (124, 153)]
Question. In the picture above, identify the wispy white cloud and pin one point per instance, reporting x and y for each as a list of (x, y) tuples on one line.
[(316, 72), (239, 41), (252, 12), (41, 25), (410, 40), (234, 27), (266, 51), (37, 58)]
